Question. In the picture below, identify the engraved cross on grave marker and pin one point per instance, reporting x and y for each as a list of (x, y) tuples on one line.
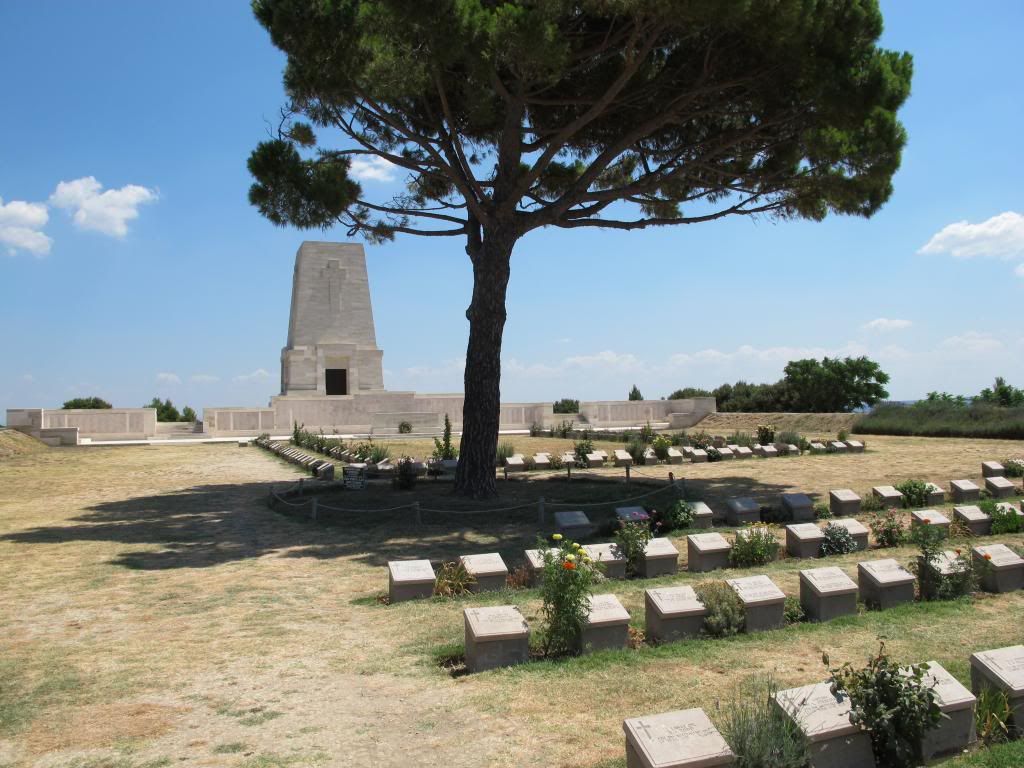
[(334, 275)]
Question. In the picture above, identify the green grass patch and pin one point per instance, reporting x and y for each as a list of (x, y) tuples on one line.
[(937, 419), (229, 749), (1010, 755)]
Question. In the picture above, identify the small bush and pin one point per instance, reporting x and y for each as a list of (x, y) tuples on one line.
[(700, 440), (647, 432), (555, 461), (677, 515), (444, 449), (765, 434), (713, 453), (536, 429), (405, 474), (789, 437), (631, 540), (724, 616), (580, 449), (742, 439), (505, 449), (932, 584), (842, 435), (568, 582), (564, 429), (758, 732), (1004, 518), (887, 528), (871, 503), (404, 427), (895, 705), (636, 449), (915, 493), (757, 546), (660, 446), (838, 541), (992, 716), (1013, 467), (822, 512), (793, 611), (453, 580), (378, 453)]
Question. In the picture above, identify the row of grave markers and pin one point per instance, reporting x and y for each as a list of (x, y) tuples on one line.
[(498, 636), (319, 468), (688, 739)]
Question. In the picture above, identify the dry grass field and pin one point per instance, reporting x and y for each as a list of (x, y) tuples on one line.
[(154, 611)]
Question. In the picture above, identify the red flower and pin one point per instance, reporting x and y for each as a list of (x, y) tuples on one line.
[(988, 556), (569, 566)]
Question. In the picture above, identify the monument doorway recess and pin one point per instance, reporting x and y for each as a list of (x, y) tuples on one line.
[(336, 381)]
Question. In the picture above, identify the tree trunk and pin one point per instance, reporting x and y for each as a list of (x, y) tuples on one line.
[(481, 409)]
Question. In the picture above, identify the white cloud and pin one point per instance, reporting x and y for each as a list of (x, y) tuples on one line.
[(971, 343), (168, 378), (107, 212), (203, 378), (606, 360), (1019, 271), (1000, 237), (258, 375), (21, 227), (371, 168), (746, 352), (884, 324)]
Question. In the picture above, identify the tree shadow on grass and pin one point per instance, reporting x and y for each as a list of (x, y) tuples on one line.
[(215, 524)]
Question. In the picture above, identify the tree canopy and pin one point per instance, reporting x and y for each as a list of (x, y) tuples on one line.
[(508, 116), (86, 402), (166, 411), (634, 393)]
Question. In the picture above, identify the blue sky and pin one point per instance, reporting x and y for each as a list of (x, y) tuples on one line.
[(133, 266)]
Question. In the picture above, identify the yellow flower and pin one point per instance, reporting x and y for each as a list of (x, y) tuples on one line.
[(578, 545), (556, 536), (570, 557), (588, 560)]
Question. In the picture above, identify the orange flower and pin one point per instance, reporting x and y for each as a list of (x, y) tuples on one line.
[(988, 556), (926, 521), (569, 566), (957, 551)]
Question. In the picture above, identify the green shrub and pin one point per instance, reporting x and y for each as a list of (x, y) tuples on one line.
[(871, 503), (700, 440), (1013, 467), (789, 437), (96, 403), (660, 446), (444, 449), (887, 528), (536, 429), (453, 580), (405, 474), (915, 493), (838, 541), (758, 732), (755, 545), (634, 393), (680, 439), (792, 610), (566, 405), (647, 432), (742, 439), (378, 453), (724, 615), (565, 590), (677, 515), (1004, 518), (580, 449), (932, 583), (822, 511), (992, 716), (505, 449), (940, 419), (555, 461), (842, 435), (895, 705), (631, 540), (564, 428), (636, 449), (765, 434)]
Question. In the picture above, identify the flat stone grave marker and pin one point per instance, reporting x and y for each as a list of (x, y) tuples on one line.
[(1002, 569), (946, 563), (855, 446), (838, 447), (573, 524), (1002, 669), (743, 452), (817, 447), (885, 583), (992, 469), (793, 450), (535, 562), (732, 447), (824, 718), (569, 459), (843, 503), (675, 456), (681, 739), (632, 514), (804, 540), (660, 558), (602, 454), (607, 625), (687, 451), (623, 459), (827, 593), (856, 528), (935, 495), (409, 580), (595, 460), (541, 461), (706, 552), (726, 453), (964, 490), (449, 465), (756, 448), (699, 456), (799, 506), (742, 510), (496, 636), (976, 521), (762, 602), (769, 451), (888, 495), (1000, 487), (488, 569), (1005, 506), (609, 555), (955, 731), (703, 517), (930, 517), (650, 458), (673, 613), (515, 463)]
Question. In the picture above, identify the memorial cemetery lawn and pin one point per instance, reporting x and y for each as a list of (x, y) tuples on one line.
[(155, 611)]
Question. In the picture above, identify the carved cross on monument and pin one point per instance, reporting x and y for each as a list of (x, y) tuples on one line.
[(334, 275)]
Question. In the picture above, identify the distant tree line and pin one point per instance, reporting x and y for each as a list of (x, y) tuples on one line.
[(94, 403), (830, 385), (165, 409), (1000, 394)]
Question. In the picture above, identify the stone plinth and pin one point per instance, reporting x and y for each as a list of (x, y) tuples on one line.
[(1000, 487), (885, 583), (817, 447), (930, 517), (673, 613), (856, 528), (409, 580), (964, 490), (837, 447), (682, 739), (742, 511), (573, 524), (610, 557), (535, 562), (1002, 669), (607, 625), (541, 461), (515, 463), (799, 506), (855, 446), (706, 552), (489, 570), (843, 503), (703, 517), (827, 593), (660, 558), (769, 451), (632, 514), (650, 458), (675, 456), (1001, 569), (935, 495), (743, 452), (699, 456), (955, 731), (976, 521), (496, 636), (595, 460), (762, 600), (623, 459), (824, 718), (726, 453), (888, 495), (804, 540), (992, 469)]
